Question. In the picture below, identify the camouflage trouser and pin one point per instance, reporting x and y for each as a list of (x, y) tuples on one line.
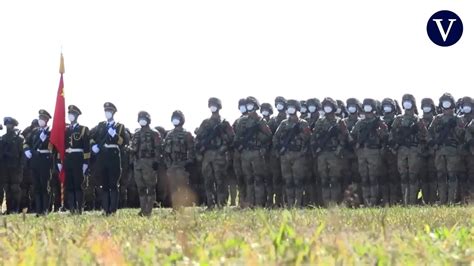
[(330, 171), (129, 196), (145, 177), (448, 168), (350, 179), (293, 170), (409, 168), (389, 182), (369, 169), (231, 179), (277, 181), (253, 166), (239, 175), (214, 173), (316, 190), (181, 192), (428, 179), (311, 194), (467, 177), (10, 180), (162, 187), (268, 180)]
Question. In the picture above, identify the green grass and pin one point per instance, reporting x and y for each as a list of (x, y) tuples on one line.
[(392, 236)]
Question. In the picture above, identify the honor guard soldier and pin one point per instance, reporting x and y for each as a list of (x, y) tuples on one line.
[(106, 143), (76, 160), (38, 150)]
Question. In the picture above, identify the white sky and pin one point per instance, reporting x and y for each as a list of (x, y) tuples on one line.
[(165, 55)]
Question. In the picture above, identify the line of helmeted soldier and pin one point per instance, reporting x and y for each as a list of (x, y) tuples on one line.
[(311, 153)]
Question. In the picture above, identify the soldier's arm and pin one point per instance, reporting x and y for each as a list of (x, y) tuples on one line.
[(157, 140), (276, 138), (460, 129), (190, 146), (305, 132)]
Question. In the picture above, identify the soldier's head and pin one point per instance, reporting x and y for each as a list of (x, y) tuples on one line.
[(34, 123), (369, 107), (329, 105), (177, 118), (73, 113), (341, 110), (10, 123), (144, 118), (43, 118), (446, 102), (409, 103), (252, 104), (353, 106), (428, 106), (388, 106), (314, 105), (266, 109), (109, 110), (293, 106), (214, 104), (303, 107), (243, 106), (280, 104), (466, 105)]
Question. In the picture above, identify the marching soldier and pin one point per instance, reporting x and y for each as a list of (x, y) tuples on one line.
[(38, 150), (467, 160), (237, 160), (179, 154), (266, 110), (313, 181), (448, 130), (76, 160), (106, 142), (252, 136), (12, 163), (427, 168), (330, 135), (145, 149), (213, 139), (369, 134), (291, 140)]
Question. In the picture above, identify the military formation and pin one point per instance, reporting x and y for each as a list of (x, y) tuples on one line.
[(307, 153)]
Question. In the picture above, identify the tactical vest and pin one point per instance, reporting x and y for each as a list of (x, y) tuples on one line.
[(296, 143), (176, 146), (144, 143)]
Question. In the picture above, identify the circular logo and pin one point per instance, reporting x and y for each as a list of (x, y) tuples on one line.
[(444, 28)]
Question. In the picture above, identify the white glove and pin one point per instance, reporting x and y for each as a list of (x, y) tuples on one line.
[(43, 136), (28, 154), (112, 132), (60, 167), (95, 148), (84, 168)]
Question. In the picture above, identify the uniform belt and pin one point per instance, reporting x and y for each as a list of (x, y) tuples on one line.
[(111, 146), (71, 150), (43, 151)]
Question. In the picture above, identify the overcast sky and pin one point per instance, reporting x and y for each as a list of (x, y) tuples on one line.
[(160, 56)]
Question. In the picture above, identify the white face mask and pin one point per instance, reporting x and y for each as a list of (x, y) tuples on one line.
[(367, 108), (213, 109), (291, 110), (142, 122), (242, 109), (280, 106), (41, 123), (426, 109), (303, 109), (250, 107), (321, 113), (446, 104), (265, 113), (352, 109), (407, 105), (71, 118), (338, 110), (327, 109), (387, 109), (312, 108), (362, 116), (175, 121), (108, 115), (466, 109)]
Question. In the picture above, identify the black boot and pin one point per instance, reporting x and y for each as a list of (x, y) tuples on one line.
[(114, 197), (106, 202), (71, 201)]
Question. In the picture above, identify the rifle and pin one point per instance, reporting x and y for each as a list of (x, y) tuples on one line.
[(293, 132), (326, 136), (248, 134), (209, 135), (445, 131), (364, 136)]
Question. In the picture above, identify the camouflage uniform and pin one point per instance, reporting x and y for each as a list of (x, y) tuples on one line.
[(369, 135), (266, 111), (252, 136), (427, 168), (178, 150), (129, 197), (237, 176), (162, 186), (213, 139), (145, 149), (448, 130), (330, 135), (409, 134), (274, 160), (11, 166), (467, 158), (312, 183)]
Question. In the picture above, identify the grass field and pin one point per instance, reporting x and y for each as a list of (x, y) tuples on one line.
[(392, 236)]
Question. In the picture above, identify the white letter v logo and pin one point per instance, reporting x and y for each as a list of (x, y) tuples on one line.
[(444, 35)]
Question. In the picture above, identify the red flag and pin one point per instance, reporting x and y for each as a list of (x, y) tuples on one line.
[(59, 121)]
